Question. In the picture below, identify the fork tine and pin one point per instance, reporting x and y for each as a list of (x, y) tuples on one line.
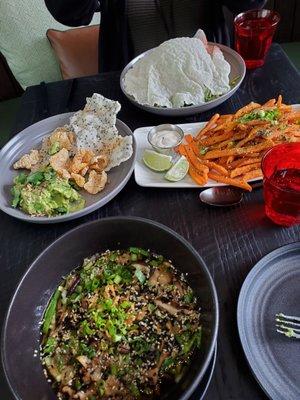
[(295, 335), (288, 317), (288, 328), (283, 321)]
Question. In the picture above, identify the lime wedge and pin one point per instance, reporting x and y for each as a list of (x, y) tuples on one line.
[(157, 161), (178, 171)]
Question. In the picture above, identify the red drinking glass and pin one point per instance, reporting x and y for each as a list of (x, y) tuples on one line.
[(254, 32), (281, 171)]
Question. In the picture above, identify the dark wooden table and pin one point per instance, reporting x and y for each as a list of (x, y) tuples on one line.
[(230, 240)]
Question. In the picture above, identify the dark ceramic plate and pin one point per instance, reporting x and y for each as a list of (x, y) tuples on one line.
[(201, 390), (21, 332), (272, 286)]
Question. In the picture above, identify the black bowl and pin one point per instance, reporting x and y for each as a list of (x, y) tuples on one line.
[(21, 331)]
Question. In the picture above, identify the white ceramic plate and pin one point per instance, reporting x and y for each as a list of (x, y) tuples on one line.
[(147, 178)]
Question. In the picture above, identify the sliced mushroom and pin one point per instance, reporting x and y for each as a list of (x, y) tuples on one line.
[(167, 307), (161, 277), (68, 390), (84, 361)]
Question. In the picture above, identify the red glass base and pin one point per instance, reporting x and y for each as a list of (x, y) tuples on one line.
[(251, 64)]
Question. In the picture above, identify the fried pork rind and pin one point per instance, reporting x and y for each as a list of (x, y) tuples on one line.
[(64, 137), (81, 160), (60, 163), (99, 163), (96, 182), (28, 160), (78, 179)]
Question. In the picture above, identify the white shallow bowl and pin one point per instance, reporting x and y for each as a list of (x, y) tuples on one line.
[(237, 69)]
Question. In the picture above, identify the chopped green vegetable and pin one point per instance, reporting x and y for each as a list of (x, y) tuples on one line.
[(114, 369), (50, 312), (263, 115), (140, 346), (134, 390), (36, 178), (140, 275), (139, 251), (49, 346), (86, 330), (168, 362), (151, 307), (86, 350), (203, 150), (188, 297), (54, 148), (189, 340), (133, 257)]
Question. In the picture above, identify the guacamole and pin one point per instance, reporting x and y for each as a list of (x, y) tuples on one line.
[(44, 193)]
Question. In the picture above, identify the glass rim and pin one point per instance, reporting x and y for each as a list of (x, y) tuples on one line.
[(267, 153), (272, 12)]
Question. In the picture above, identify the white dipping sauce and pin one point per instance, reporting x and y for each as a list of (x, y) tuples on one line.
[(165, 138)]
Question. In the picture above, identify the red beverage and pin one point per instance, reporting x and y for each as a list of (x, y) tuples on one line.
[(281, 169), (254, 32)]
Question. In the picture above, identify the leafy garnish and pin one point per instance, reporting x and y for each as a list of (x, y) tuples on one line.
[(49, 346), (86, 329), (208, 96), (262, 115), (203, 150)]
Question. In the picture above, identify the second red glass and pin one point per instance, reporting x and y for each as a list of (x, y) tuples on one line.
[(281, 170), (254, 32)]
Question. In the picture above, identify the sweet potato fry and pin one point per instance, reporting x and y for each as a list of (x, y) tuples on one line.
[(229, 181), (189, 138), (245, 161), (226, 126), (216, 167), (208, 126), (181, 150), (293, 116), (257, 122), (216, 139), (270, 103), (256, 173), (279, 101), (196, 162), (243, 170), (248, 108), (200, 179), (238, 150)]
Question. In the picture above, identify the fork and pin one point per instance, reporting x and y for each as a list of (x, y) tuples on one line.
[(288, 325)]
